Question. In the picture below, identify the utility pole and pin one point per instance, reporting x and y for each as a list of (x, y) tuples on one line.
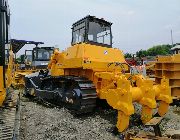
[(172, 39)]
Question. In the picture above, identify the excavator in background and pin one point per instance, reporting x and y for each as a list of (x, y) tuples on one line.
[(8, 98), (92, 69), (31, 61)]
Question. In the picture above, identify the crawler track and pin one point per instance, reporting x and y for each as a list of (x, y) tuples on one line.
[(88, 95), (8, 118), (76, 93)]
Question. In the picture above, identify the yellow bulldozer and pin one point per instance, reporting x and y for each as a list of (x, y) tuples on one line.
[(92, 69), (31, 61)]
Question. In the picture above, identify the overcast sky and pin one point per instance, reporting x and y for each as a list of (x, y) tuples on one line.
[(137, 24)]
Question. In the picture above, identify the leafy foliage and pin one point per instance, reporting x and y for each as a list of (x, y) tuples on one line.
[(141, 53), (20, 59), (128, 55), (159, 50), (155, 50)]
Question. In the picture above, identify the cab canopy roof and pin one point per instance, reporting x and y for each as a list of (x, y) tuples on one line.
[(18, 44), (90, 18)]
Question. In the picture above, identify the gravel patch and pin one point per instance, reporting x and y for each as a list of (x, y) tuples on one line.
[(40, 122), (43, 123), (171, 120)]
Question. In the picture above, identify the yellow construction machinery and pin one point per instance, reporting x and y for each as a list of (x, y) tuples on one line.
[(5, 52), (91, 69), (150, 69), (31, 61), (7, 74), (169, 67), (8, 98)]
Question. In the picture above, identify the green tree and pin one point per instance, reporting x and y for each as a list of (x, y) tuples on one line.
[(141, 53), (20, 59), (159, 50), (155, 50), (128, 55)]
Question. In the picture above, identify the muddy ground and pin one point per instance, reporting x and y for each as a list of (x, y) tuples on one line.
[(41, 122)]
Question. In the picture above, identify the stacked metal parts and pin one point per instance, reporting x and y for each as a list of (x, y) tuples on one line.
[(169, 67)]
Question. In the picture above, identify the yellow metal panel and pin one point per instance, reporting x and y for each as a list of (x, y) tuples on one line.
[(2, 96), (88, 56), (103, 54), (72, 63), (165, 59), (75, 51), (169, 67), (2, 90)]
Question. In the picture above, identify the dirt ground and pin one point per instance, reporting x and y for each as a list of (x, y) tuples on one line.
[(40, 122)]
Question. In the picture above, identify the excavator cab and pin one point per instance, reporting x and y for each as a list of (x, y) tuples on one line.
[(93, 31)]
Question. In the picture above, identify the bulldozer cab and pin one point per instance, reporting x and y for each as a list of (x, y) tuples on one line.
[(37, 54), (18, 44), (38, 58), (93, 31), (27, 58), (42, 53)]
